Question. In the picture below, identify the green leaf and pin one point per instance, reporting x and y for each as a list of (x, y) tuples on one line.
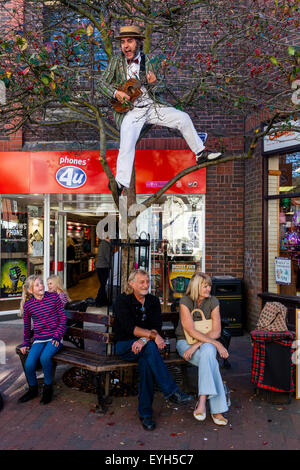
[(45, 80), (273, 60), (291, 50)]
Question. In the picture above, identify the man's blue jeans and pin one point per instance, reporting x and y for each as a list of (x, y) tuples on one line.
[(151, 369), (43, 352)]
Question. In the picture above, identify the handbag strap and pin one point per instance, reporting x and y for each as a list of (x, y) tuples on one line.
[(198, 310)]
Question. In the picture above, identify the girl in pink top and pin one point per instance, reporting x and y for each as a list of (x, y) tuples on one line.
[(55, 285)]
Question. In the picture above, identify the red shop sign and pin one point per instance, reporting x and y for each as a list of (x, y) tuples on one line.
[(81, 172)]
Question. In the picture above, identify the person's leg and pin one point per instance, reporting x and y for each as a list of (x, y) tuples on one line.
[(210, 382), (159, 369), (146, 388), (30, 372), (46, 360), (175, 119), (101, 298), (31, 362), (129, 133)]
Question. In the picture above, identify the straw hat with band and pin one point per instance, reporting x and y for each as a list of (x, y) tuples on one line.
[(130, 32)]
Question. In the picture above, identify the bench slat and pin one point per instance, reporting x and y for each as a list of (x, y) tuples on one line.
[(89, 317), (99, 363), (89, 334)]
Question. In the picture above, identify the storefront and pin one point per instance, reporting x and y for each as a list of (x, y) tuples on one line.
[(282, 221), (59, 198)]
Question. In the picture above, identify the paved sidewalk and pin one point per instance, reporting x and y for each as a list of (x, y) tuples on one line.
[(70, 421)]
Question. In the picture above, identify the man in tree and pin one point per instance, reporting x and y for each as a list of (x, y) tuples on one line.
[(137, 330), (149, 108)]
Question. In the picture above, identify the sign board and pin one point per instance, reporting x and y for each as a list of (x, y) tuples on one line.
[(282, 140), (67, 172), (283, 270)]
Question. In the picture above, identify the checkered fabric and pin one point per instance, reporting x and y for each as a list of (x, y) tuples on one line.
[(259, 343)]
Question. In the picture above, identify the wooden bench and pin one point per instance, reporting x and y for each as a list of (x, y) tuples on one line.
[(106, 361)]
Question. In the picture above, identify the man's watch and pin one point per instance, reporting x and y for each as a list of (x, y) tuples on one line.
[(144, 340)]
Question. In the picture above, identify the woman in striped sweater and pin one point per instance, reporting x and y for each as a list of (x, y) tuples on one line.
[(46, 311)]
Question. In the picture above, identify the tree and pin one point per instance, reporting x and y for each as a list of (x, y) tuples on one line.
[(244, 59)]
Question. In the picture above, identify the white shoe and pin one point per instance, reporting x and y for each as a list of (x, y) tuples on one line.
[(219, 421), (199, 416), (206, 156)]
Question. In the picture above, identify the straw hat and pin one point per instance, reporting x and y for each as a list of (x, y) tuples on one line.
[(130, 32)]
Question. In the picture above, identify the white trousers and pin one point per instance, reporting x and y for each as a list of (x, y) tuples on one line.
[(154, 114)]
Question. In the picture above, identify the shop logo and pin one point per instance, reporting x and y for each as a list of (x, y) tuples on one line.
[(71, 177)]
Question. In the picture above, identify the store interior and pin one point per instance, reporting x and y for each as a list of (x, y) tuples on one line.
[(176, 229)]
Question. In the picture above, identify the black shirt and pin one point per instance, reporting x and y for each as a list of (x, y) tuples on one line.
[(129, 313)]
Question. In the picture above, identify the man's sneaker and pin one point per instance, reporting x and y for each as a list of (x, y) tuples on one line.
[(203, 136), (180, 398), (206, 156), (120, 188)]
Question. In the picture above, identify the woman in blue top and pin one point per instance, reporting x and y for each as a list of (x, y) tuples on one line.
[(203, 353)]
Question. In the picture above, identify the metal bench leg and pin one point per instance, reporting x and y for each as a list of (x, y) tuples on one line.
[(185, 379), (101, 399)]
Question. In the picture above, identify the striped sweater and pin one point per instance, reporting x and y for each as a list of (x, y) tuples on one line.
[(48, 316)]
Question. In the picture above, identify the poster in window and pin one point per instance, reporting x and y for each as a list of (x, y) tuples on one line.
[(283, 270), (157, 278), (13, 228), (35, 234), (13, 276), (179, 275)]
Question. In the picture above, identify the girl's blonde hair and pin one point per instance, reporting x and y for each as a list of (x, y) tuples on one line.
[(195, 285), (57, 281), (131, 278), (26, 295)]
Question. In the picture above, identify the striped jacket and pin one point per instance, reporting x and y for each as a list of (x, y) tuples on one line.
[(48, 316), (115, 75)]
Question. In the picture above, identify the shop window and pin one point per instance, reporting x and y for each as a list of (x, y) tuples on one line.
[(22, 243), (176, 228), (284, 225)]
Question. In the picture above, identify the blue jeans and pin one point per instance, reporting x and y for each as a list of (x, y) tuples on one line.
[(210, 382), (151, 369), (43, 352)]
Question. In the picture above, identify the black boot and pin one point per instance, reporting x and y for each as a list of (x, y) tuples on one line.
[(29, 395), (47, 394)]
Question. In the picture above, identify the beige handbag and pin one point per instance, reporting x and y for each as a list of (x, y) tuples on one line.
[(272, 317), (203, 326)]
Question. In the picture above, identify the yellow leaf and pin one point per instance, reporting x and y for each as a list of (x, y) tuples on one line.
[(89, 30), (22, 43), (52, 86)]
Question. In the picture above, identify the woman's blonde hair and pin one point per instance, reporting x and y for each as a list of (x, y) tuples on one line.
[(57, 281), (26, 295), (131, 278), (195, 285)]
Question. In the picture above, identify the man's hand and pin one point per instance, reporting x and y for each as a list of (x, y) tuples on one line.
[(137, 346), (121, 96), (151, 77)]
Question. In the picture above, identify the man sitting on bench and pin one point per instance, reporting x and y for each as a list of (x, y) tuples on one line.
[(137, 331)]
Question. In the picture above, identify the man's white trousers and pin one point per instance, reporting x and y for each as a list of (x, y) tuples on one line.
[(154, 114)]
